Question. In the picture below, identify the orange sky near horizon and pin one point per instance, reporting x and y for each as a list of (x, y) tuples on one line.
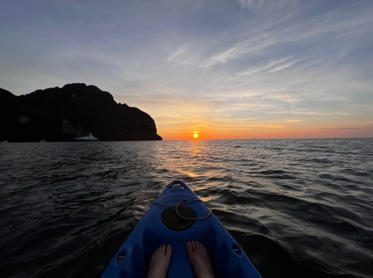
[(263, 133), (180, 120)]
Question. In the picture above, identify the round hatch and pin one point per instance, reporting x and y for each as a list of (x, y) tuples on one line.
[(174, 222)]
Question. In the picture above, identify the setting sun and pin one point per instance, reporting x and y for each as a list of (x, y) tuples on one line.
[(195, 135)]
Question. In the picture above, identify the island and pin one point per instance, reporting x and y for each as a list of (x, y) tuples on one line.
[(71, 112)]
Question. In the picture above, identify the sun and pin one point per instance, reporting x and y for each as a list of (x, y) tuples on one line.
[(195, 135)]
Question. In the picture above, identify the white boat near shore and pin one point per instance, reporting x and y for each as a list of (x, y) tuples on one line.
[(89, 137)]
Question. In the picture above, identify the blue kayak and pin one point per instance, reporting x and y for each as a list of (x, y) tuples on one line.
[(174, 218)]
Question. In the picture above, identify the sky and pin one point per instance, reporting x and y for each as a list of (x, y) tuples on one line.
[(225, 69)]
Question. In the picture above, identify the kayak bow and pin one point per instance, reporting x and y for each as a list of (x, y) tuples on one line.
[(176, 217)]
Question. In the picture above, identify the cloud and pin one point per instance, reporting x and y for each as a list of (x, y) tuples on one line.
[(284, 65), (272, 66), (340, 128), (249, 4)]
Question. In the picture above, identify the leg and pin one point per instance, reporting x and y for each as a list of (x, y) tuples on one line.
[(200, 260), (160, 262)]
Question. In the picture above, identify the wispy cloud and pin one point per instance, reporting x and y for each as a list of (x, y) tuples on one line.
[(249, 4), (340, 128)]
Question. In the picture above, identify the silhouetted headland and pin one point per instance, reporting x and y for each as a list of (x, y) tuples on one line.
[(75, 110)]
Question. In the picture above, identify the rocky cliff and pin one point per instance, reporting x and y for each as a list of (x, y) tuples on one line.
[(63, 114)]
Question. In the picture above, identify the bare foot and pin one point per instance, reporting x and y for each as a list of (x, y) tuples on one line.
[(160, 262), (200, 260)]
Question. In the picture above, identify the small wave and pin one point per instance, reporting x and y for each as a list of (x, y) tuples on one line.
[(276, 174), (334, 177), (356, 173)]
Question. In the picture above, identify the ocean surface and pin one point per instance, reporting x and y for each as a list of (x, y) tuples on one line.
[(299, 208)]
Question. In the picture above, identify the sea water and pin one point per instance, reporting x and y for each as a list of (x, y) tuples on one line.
[(299, 208)]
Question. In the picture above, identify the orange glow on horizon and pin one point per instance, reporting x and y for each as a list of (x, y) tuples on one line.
[(231, 133)]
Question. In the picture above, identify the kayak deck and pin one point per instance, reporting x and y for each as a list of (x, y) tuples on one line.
[(176, 217)]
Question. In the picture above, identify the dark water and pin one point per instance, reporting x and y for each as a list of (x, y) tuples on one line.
[(299, 208)]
